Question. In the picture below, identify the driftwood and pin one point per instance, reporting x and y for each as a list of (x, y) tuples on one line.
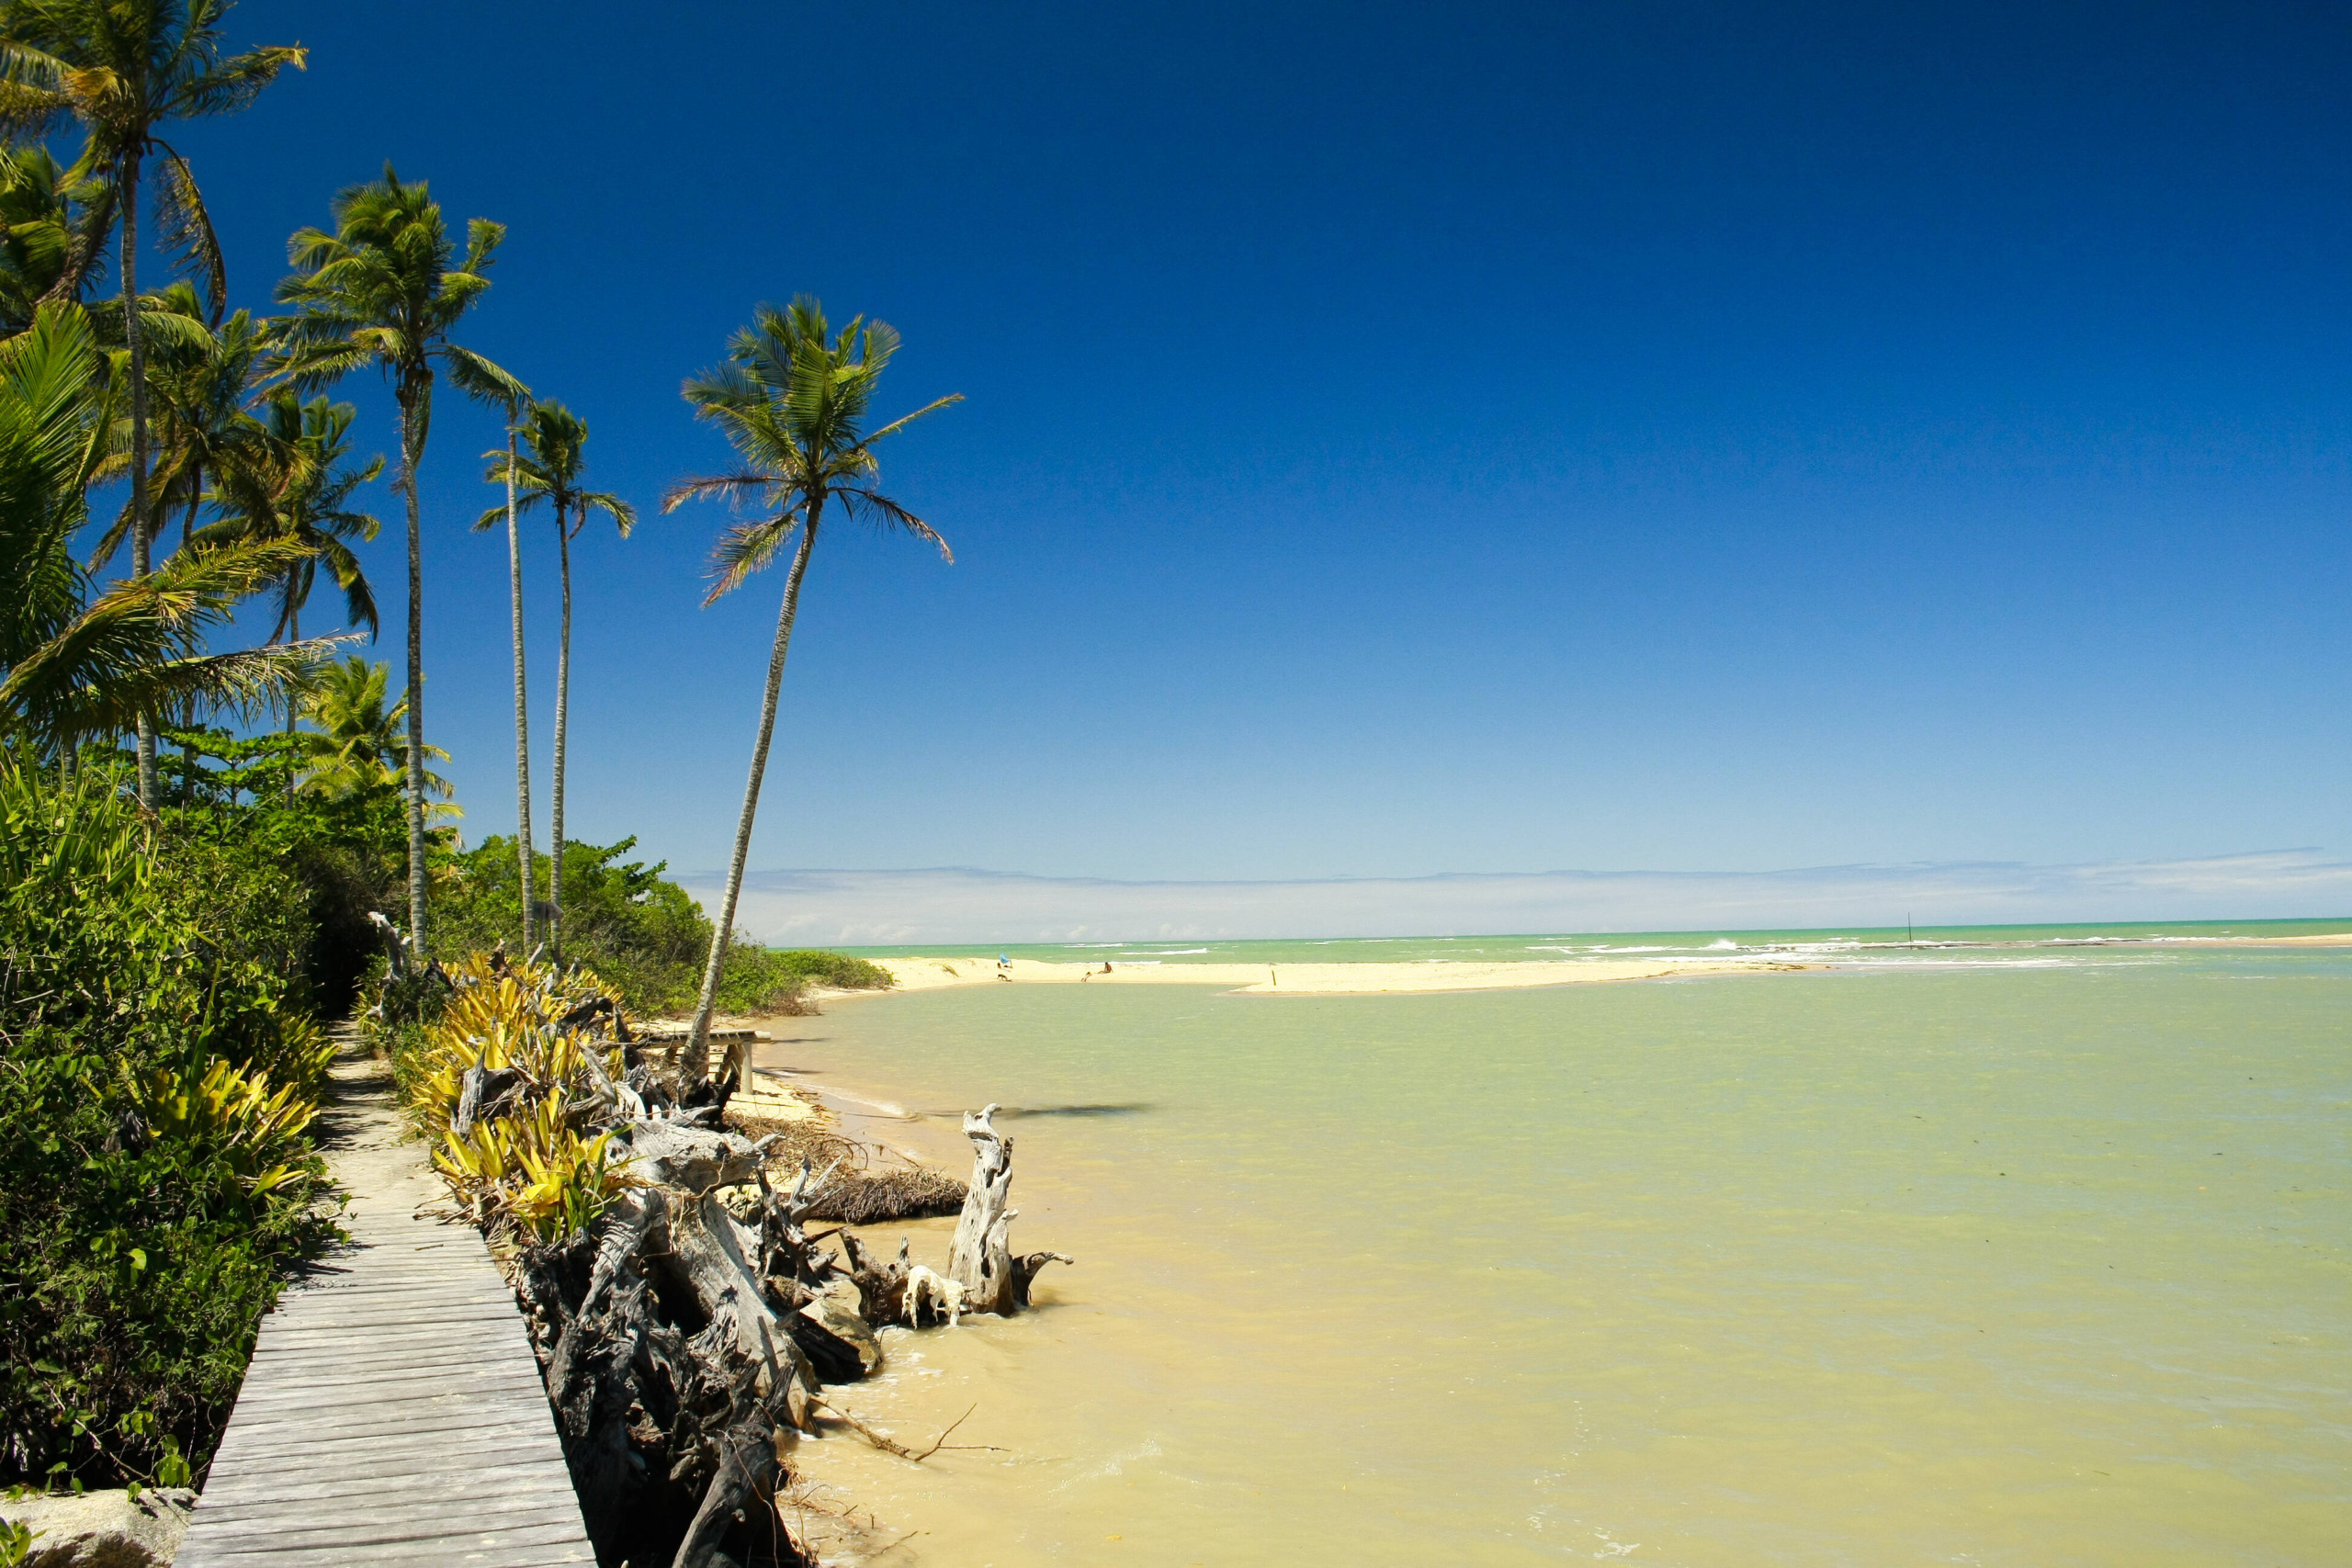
[(981, 1258), (688, 1335)]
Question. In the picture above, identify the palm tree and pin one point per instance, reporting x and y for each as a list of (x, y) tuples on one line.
[(302, 495), (792, 399), (360, 743), (506, 470), (384, 290), (551, 473), (121, 69), (76, 669), (200, 380)]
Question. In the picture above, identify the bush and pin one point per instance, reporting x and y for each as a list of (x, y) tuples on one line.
[(342, 854), (641, 934), (156, 1176), (836, 969)]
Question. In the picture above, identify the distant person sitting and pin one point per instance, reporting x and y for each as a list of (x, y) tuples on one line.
[(1002, 962), (1106, 966)]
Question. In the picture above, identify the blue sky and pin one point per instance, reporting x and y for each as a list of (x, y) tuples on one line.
[(1410, 439)]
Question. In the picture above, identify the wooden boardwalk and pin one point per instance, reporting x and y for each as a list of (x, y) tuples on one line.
[(393, 1411)]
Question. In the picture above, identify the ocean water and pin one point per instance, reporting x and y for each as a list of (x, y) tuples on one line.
[(1852, 944), (1885, 1264)]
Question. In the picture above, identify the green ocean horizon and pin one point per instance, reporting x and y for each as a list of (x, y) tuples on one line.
[(1827, 942)]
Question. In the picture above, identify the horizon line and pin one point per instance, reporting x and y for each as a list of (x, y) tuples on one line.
[(963, 904)]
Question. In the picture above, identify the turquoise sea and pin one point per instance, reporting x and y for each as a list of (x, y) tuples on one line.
[(1990, 1254), (1854, 943)]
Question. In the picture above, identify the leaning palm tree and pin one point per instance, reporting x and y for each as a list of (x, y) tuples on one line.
[(384, 290), (792, 399), (555, 436), (121, 69)]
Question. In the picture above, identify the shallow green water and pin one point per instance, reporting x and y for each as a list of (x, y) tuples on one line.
[(1856, 944), (2016, 1266)]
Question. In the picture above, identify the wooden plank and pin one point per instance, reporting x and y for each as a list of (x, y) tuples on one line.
[(393, 1411)]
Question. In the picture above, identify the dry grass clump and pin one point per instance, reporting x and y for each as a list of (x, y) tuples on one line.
[(859, 1193), (897, 1192)]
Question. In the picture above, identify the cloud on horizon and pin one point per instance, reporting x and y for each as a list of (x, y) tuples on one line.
[(953, 905)]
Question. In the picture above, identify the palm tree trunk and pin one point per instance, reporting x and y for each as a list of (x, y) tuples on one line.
[(293, 634), (187, 527), (521, 708), (562, 713), (699, 1042), (139, 531), (413, 392)]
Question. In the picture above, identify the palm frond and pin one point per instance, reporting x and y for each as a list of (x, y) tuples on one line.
[(185, 230), (745, 549), (137, 647), (899, 425), (480, 379), (731, 488), (881, 508)]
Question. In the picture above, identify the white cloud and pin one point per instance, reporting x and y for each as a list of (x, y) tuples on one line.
[(904, 908)]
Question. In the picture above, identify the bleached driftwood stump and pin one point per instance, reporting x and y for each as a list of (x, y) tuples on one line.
[(981, 1258)]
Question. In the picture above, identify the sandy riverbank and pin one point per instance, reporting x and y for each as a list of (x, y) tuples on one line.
[(1315, 979)]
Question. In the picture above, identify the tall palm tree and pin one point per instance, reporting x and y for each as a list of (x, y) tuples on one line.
[(121, 69), (792, 399), (555, 436), (505, 469), (384, 290)]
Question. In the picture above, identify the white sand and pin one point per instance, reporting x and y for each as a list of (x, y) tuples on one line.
[(1313, 979)]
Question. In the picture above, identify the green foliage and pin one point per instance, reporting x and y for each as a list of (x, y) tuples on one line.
[(641, 934), (158, 1073), (524, 1169), (261, 811), (815, 966)]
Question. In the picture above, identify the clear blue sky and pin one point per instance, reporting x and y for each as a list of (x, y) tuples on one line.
[(1404, 439)]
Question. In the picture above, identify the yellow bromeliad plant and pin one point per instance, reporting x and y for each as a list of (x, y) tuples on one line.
[(524, 1167), (532, 1171), (251, 1122)]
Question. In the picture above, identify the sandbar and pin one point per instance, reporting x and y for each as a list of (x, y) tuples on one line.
[(920, 973)]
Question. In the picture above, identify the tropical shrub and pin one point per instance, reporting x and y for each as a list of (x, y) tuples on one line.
[(637, 929), (520, 1166), (158, 1076)]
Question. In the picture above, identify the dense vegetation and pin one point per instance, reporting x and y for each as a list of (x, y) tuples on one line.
[(163, 977), (160, 1068), (217, 834), (640, 933)]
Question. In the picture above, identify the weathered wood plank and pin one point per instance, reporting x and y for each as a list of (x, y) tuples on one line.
[(393, 1411)]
